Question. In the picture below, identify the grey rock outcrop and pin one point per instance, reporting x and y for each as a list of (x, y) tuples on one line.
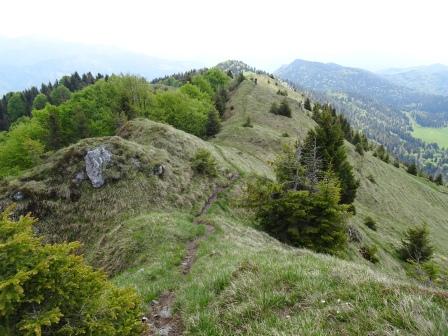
[(96, 160)]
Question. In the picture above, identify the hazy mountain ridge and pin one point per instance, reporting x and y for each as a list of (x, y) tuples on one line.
[(333, 77), (26, 62), (431, 79)]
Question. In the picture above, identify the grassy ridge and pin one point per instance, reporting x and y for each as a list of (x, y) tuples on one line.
[(243, 281)]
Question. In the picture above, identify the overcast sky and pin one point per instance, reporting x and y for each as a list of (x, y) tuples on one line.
[(370, 34)]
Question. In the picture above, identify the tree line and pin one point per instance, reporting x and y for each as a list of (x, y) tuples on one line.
[(15, 105)]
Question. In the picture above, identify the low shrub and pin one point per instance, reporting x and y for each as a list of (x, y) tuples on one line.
[(370, 223), (248, 123), (369, 252), (203, 162)]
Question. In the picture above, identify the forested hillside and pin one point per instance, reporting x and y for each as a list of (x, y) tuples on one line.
[(431, 79), (228, 202), (382, 109)]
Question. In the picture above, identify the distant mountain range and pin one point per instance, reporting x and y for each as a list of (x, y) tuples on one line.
[(377, 104), (431, 79), (334, 77), (25, 62)]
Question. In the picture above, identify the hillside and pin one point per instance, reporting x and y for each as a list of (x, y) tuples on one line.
[(333, 77), (183, 241), (382, 109), (431, 79)]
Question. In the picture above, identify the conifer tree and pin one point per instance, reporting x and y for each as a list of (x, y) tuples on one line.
[(412, 169), (213, 125), (49, 290), (330, 141), (439, 179), (307, 104), (416, 245), (54, 130)]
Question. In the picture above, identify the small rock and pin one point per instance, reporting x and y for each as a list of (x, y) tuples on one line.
[(159, 170), (18, 196), (165, 312), (96, 160), (144, 319), (79, 177), (165, 331), (136, 163)]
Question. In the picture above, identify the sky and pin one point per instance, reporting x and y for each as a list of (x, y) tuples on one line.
[(368, 34)]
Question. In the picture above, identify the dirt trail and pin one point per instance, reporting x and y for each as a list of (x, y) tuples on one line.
[(161, 320)]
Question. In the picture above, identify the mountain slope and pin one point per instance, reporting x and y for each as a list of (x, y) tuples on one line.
[(333, 77), (431, 79), (381, 109), (212, 270)]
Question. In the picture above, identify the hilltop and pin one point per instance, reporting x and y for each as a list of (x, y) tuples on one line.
[(196, 256)]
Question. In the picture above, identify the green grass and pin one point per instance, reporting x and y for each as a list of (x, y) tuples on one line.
[(157, 242), (431, 134), (243, 282)]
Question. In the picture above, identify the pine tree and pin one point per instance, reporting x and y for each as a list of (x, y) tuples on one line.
[(307, 104), (412, 169), (54, 131), (213, 125), (439, 179), (359, 149), (330, 141), (416, 245), (49, 290)]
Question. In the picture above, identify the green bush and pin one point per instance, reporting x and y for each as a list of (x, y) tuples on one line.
[(248, 123), (203, 162), (282, 92), (315, 220), (370, 223), (283, 109), (49, 290), (416, 245), (369, 253), (359, 149)]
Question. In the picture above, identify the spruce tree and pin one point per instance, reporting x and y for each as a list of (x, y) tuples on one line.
[(307, 104), (439, 179), (330, 141), (213, 125), (416, 245), (412, 169), (54, 131)]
